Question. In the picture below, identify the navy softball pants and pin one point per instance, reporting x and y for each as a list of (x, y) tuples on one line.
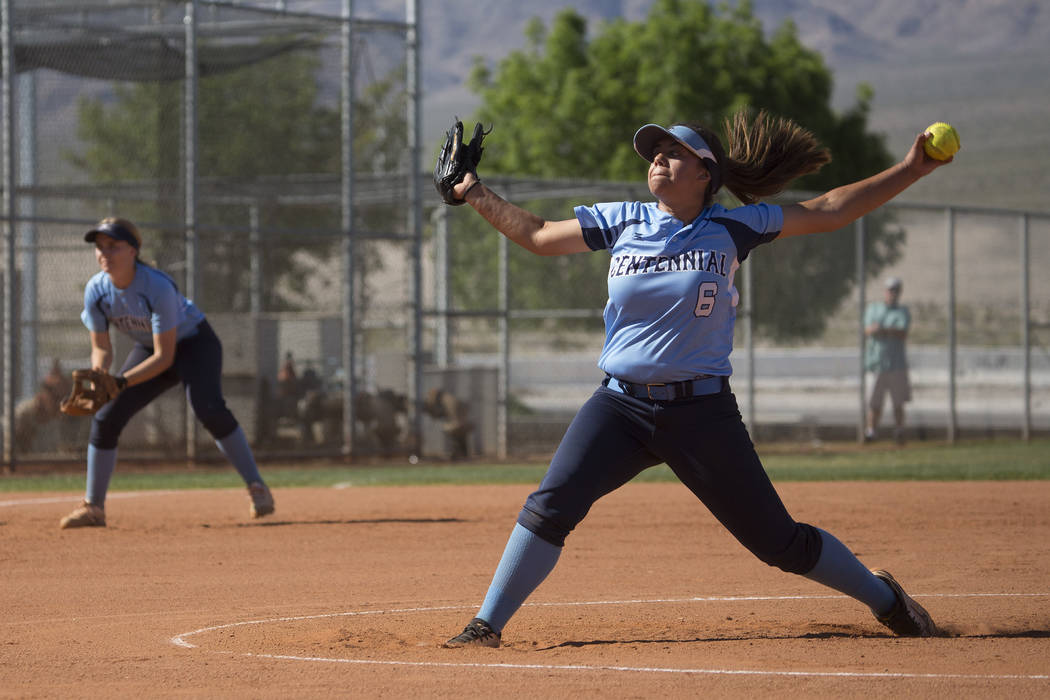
[(702, 439), (198, 365)]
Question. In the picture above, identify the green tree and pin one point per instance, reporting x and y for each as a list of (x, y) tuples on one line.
[(568, 104), (260, 127)]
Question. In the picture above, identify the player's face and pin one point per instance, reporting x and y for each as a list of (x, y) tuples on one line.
[(676, 173), (114, 256)]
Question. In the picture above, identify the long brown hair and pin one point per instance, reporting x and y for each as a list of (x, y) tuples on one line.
[(765, 154)]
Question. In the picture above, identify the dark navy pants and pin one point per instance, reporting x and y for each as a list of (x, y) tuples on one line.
[(198, 365), (702, 439)]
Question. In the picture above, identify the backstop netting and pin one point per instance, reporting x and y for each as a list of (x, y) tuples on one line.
[(236, 172)]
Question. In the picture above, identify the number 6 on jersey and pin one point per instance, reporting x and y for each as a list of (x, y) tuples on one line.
[(705, 299)]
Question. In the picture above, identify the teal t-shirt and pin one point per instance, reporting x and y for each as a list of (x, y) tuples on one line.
[(886, 353)]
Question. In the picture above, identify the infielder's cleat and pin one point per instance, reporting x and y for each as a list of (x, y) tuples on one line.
[(262, 499), (477, 634), (86, 515), (907, 618)]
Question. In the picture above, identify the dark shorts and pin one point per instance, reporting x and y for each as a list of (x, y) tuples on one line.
[(702, 439)]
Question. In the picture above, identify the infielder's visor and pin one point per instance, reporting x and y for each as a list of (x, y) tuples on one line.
[(113, 230), (646, 137)]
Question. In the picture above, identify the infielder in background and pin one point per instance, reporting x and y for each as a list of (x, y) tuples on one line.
[(886, 325), (669, 331), (173, 343)]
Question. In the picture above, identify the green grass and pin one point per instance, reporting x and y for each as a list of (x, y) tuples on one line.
[(992, 460), (970, 461)]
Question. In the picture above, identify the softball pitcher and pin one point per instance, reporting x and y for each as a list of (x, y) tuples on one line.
[(173, 343), (669, 332)]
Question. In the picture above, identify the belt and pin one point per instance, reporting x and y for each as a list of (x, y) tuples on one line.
[(702, 385)]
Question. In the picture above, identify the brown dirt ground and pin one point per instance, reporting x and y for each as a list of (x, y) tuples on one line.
[(349, 593)]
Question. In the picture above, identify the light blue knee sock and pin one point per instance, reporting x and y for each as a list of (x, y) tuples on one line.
[(235, 447), (526, 561), (838, 568), (100, 465)]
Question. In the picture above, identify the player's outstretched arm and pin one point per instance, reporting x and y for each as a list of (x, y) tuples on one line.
[(528, 230), (843, 205)]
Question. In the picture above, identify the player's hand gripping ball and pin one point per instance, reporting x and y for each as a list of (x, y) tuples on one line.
[(943, 141)]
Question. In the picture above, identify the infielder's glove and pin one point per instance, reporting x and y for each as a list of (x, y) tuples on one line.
[(92, 389), (456, 160)]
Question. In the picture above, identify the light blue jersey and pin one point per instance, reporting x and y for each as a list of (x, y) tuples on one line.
[(150, 305), (672, 303)]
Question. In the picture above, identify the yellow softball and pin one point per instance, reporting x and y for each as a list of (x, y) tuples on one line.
[(943, 141)]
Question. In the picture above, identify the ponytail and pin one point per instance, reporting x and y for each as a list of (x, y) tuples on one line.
[(765, 154)]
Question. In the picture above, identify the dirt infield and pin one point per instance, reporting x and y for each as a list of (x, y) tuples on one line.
[(349, 593)]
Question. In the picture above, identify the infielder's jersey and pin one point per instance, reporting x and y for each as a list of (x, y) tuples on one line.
[(151, 304), (672, 303)]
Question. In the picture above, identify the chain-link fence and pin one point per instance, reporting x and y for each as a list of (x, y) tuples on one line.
[(978, 353), (267, 156), (264, 152)]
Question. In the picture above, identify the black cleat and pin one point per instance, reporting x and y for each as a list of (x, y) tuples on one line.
[(476, 634), (907, 618)]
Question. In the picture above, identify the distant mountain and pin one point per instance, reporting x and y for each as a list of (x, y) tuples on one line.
[(844, 31), (980, 64), (983, 65)]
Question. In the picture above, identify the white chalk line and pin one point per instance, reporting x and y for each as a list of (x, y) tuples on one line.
[(659, 669), (66, 499), (180, 640)]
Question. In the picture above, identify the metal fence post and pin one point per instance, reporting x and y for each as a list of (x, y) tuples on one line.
[(190, 145), (953, 421), (442, 288), (346, 200), (413, 85), (503, 383), (862, 336), (1026, 341), (25, 103), (255, 284), (7, 65)]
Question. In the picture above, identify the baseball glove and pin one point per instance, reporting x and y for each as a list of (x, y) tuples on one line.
[(456, 160), (92, 389)]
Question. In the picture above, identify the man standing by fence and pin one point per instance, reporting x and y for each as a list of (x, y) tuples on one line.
[(886, 325)]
